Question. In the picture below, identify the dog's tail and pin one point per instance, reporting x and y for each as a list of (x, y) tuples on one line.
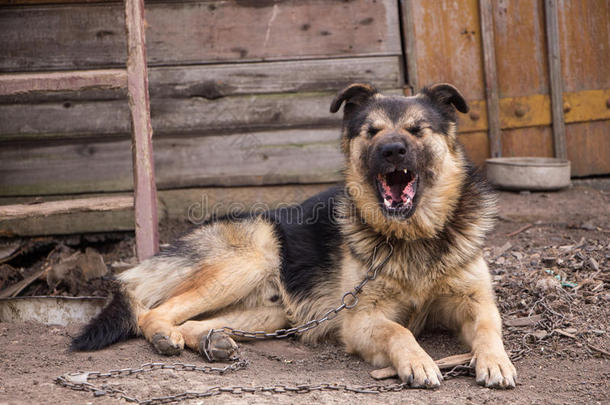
[(116, 322)]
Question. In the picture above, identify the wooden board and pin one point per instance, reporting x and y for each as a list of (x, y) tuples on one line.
[(143, 168), (533, 141), (215, 81), (22, 84), (584, 35), (492, 97), (476, 145), (588, 146), (185, 32), (194, 115), (257, 158), (448, 46), (520, 41), (185, 205), (44, 209)]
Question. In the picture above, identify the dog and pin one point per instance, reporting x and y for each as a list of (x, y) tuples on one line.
[(408, 185)]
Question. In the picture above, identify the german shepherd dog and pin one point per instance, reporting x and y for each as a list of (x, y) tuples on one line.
[(407, 184)]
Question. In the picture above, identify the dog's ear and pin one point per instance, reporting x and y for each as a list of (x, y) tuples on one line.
[(445, 93), (355, 94)]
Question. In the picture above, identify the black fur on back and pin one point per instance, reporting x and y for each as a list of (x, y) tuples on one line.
[(115, 323), (310, 241)]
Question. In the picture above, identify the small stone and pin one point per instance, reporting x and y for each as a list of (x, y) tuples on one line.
[(517, 255), (571, 330), (99, 393), (540, 334)]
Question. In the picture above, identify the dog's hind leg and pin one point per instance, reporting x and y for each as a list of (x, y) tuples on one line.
[(263, 319), (210, 269), (213, 288)]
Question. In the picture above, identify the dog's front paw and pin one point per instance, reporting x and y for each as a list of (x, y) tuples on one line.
[(170, 344), (220, 347), (494, 370), (419, 370)]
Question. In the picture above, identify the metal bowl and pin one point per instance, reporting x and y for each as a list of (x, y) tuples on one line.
[(528, 173)]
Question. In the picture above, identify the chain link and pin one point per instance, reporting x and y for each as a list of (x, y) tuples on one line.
[(346, 303), (80, 381)]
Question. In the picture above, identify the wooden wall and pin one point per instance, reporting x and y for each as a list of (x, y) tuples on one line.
[(240, 89), (448, 48)]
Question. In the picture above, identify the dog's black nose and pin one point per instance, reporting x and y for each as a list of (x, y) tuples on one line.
[(393, 152)]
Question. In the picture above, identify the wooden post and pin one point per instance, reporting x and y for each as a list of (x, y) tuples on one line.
[(491, 78), (408, 42), (147, 234), (552, 37)]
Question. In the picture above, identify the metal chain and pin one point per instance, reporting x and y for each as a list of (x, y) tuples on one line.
[(370, 275), (80, 381)]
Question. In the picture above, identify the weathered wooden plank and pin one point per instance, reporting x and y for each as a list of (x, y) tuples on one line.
[(491, 77), (92, 36), (532, 141), (274, 157), (69, 223), (44, 209), (520, 44), (588, 146), (585, 44), (554, 51), (184, 205), (476, 145), (215, 81), (194, 115), (448, 40), (27, 83), (145, 190)]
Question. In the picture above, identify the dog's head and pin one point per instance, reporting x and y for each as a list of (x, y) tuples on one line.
[(403, 163)]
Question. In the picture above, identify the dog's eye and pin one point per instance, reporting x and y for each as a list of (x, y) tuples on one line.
[(415, 130), (373, 131)]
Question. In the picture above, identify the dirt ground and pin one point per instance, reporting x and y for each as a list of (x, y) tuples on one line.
[(550, 260)]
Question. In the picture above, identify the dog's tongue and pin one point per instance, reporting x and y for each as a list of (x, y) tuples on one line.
[(398, 189)]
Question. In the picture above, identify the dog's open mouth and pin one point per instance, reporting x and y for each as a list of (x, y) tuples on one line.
[(397, 190)]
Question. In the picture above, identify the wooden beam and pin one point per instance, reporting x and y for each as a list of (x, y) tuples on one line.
[(410, 45), (193, 205), (238, 79), (554, 52), (209, 32), (20, 83), (146, 220), (49, 208), (491, 77)]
